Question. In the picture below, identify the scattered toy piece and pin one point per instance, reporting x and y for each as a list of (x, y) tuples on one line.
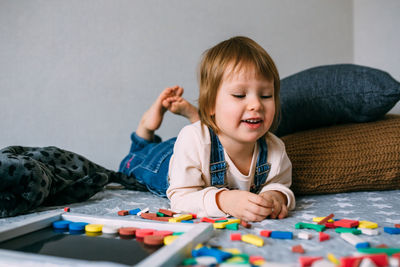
[(354, 231), (153, 240), (330, 225), (397, 225), (316, 227), (180, 218), (281, 235), (67, 209), (307, 261), (256, 260), (253, 239), (391, 230), (163, 233), (367, 224), (265, 233), (332, 259), (224, 223), (110, 229), (245, 224), (123, 212), (219, 255), (143, 232), (387, 251), (326, 219), (346, 223), (323, 237), (236, 237), (143, 211), (166, 212), (134, 212), (354, 240), (232, 226), (77, 226), (368, 231), (93, 228), (169, 239), (127, 231), (298, 249), (304, 235), (209, 220), (61, 225)]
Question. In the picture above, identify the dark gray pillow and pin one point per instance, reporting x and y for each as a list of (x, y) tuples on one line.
[(335, 94)]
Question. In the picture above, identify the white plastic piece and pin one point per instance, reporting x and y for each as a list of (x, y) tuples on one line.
[(110, 229), (394, 262), (206, 260), (304, 235), (367, 262), (352, 239), (368, 231), (322, 263), (143, 211)]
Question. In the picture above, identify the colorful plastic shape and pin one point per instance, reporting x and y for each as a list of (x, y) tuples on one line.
[(281, 235), (253, 239)]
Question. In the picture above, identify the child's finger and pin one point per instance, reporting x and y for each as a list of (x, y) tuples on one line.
[(277, 209), (283, 213), (260, 201)]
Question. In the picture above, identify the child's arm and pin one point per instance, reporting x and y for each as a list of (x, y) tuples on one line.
[(189, 183)]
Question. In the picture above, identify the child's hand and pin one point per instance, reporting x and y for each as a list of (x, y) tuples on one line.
[(277, 200), (245, 205)]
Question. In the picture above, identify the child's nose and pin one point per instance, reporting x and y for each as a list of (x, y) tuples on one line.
[(254, 103)]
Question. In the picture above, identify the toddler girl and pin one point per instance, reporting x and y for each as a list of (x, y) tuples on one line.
[(226, 161)]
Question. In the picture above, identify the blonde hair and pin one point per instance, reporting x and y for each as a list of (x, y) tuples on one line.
[(241, 52)]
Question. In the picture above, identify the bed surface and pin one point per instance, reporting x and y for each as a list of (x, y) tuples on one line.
[(381, 207)]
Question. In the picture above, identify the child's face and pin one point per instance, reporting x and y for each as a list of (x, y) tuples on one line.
[(244, 107)]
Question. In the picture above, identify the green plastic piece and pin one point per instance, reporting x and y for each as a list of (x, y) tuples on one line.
[(159, 214), (388, 251), (316, 227), (221, 221), (232, 226), (178, 233), (348, 230), (189, 262), (244, 259)]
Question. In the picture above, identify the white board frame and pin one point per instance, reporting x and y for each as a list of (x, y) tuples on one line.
[(170, 255)]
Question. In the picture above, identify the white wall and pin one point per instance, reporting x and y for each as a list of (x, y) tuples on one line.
[(377, 36), (79, 74)]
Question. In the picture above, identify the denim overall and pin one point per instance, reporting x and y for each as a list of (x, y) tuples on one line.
[(148, 162)]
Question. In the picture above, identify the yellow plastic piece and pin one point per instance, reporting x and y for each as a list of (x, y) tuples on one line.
[(236, 259), (333, 259), (253, 239), (232, 250), (93, 234), (169, 239), (183, 217), (221, 225), (93, 228), (367, 224), (318, 219), (258, 262), (198, 246)]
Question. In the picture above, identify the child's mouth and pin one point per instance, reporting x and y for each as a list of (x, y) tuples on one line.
[(253, 123)]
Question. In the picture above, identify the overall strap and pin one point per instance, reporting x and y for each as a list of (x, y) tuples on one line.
[(262, 167), (217, 161)]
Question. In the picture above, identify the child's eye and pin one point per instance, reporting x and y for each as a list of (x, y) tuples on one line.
[(238, 95), (266, 96)]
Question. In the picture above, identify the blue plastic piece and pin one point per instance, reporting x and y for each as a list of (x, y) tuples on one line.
[(281, 235), (134, 212), (186, 221), (77, 226), (61, 225), (219, 255), (362, 245), (391, 230)]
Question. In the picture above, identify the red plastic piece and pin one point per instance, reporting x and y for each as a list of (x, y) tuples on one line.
[(209, 220), (265, 233), (245, 224), (144, 232), (298, 249), (346, 223), (254, 259), (380, 260), (326, 219), (397, 225), (236, 237), (169, 213), (123, 212), (67, 209), (330, 225), (323, 237), (307, 261)]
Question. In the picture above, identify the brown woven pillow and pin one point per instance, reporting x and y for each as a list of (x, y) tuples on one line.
[(347, 157)]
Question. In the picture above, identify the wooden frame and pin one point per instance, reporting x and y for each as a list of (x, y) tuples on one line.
[(170, 255)]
